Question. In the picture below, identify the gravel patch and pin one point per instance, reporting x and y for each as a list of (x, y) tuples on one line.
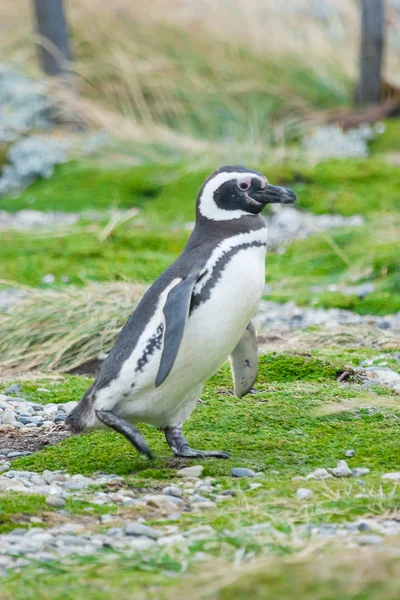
[(273, 316), (286, 223)]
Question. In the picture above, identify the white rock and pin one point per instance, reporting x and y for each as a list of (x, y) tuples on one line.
[(68, 407), (55, 501), (194, 471), (304, 494), (161, 502), (370, 540), (341, 470), (319, 474), (8, 418), (360, 472), (392, 476)]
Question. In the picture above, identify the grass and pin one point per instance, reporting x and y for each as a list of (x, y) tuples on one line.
[(282, 430), (168, 76), (359, 186), (279, 427)]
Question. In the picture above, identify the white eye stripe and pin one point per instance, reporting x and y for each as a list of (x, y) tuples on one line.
[(207, 205)]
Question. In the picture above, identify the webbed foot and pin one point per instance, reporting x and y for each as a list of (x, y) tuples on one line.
[(181, 448)]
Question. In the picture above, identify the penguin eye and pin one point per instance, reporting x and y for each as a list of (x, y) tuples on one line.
[(244, 185)]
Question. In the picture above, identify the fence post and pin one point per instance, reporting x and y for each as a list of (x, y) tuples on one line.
[(372, 43), (54, 50)]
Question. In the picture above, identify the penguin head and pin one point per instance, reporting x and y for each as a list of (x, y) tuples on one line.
[(235, 191)]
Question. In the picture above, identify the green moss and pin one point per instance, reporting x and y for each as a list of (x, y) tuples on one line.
[(289, 367), (167, 193), (281, 426), (389, 140), (128, 253), (16, 508), (68, 388)]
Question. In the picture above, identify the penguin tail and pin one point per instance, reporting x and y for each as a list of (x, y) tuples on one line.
[(82, 416)]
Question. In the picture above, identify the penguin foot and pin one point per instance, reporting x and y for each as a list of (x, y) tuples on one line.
[(181, 448), (127, 429)]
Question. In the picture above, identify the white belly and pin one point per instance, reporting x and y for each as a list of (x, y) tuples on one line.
[(211, 333)]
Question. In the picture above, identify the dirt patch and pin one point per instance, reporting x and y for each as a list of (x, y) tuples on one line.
[(31, 440)]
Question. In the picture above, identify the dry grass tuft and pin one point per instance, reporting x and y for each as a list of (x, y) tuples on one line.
[(56, 330)]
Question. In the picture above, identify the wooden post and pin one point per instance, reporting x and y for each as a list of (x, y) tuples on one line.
[(55, 53), (372, 43)]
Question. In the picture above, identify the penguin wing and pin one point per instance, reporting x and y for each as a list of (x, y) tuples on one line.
[(244, 361), (176, 312)]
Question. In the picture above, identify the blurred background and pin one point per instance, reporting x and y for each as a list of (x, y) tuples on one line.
[(112, 115)]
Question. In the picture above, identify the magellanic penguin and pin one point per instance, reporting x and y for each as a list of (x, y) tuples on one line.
[(194, 316)]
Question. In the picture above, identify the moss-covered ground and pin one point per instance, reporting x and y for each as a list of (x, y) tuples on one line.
[(142, 248), (299, 418)]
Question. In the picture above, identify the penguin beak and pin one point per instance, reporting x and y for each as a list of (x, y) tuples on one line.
[(274, 194)]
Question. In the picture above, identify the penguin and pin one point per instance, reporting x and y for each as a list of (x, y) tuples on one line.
[(192, 318)]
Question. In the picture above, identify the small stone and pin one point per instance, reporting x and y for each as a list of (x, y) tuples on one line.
[(204, 505), (106, 518), (49, 278), (6, 451), (43, 390), (360, 472), (194, 471), (255, 486), (13, 389), (304, 494), (370, 540), (341, 470), (198, 498), (139, 530), (392, 476), (349, 453), (161, 502), (4, 467), (319, 474), (115, 531), (173, 490), (242, 472), (35, 520), (55, 501), (68, 407), (298, 479), (8, 418)]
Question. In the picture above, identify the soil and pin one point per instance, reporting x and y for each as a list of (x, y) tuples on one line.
[(23, 440)]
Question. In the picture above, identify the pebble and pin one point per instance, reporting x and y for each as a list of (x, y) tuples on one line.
[(173, 490), (304, 494), (360, 472), (13, 389), (392, 476), (204, 505), (242, 472), (370, 540), (194, 471), (55, 501), (319, 474), (163, 503), (341, 470), (8, 418), (350, 453), (138, 530)]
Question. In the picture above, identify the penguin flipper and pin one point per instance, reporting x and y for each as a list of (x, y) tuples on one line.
[(176, 312), (244, 361)]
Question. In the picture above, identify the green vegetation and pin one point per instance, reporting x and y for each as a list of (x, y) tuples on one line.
[(298, 419), (281, 426), (167, 193), (16, 509)]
